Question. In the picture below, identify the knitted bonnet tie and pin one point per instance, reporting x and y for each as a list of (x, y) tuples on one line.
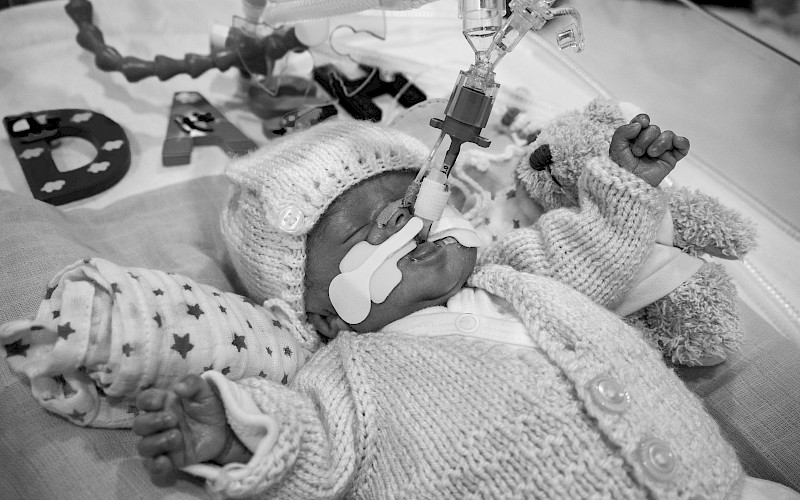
[(282, 189)]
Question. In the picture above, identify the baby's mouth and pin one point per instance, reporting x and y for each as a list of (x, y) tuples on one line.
[(448, 240), (428, 248)]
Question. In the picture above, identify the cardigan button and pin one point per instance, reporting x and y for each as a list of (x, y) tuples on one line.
[(291, 219), (467, 323), (657, 459), (609, 394)]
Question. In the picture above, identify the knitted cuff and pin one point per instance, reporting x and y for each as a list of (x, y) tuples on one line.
[(619, 192), (257, 430), (271, 421)]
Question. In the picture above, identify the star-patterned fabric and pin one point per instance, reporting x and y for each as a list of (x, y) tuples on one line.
[(104, 333), (492, 199), (493, 215)]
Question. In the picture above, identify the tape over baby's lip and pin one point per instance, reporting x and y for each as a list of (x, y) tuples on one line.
[(452, 223)]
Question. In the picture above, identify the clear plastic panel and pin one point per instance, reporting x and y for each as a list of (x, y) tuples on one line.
[(736, 98)]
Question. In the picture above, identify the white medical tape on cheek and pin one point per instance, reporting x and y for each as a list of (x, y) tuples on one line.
[(351, 291), (388, 275)]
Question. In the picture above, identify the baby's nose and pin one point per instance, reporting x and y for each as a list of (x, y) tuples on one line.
[(391, 219), (393, 214)]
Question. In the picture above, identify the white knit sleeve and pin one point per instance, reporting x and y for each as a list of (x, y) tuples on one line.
[(595, 248), (302, 437)]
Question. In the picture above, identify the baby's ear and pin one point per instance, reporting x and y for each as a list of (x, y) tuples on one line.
[(328, 326)]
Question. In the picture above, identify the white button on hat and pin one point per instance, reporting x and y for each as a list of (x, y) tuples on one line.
[(467, 323), (609, 394), (291, 219), (657, 459)]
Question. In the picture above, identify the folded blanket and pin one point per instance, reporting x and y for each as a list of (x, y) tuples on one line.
[(104, 333)]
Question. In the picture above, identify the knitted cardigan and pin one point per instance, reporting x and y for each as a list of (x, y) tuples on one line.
[(590, 412)]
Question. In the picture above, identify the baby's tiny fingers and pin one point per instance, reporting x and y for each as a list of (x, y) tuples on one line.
[(681, 145), (193, 388), (161, 470), (661, 144), (669, 158), (151, 423), (151, 400), (623, 135), (160, 443), (642, 119), (645, 138)]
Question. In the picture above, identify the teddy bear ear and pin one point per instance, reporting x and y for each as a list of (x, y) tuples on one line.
[(541, 158), (604, 110)]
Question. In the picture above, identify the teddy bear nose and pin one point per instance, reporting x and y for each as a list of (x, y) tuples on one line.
[(541, 158)]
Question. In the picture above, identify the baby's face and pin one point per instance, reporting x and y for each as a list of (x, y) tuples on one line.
[(431, 273)]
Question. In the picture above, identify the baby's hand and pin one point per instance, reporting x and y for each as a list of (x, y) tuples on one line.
[(179, 427), (644, 150)]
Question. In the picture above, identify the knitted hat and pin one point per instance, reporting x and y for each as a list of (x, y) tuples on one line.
[(282, 189)]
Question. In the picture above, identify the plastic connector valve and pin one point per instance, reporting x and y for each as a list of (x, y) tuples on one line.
[(571, 36)]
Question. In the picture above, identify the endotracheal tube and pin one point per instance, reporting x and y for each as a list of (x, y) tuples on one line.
[(473, 95)]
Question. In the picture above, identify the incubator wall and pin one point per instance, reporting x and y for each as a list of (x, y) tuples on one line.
[(733, 87)]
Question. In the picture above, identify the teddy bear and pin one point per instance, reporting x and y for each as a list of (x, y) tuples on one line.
[(694, 319)]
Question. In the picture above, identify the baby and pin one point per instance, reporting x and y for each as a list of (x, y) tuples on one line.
[(444, 380)]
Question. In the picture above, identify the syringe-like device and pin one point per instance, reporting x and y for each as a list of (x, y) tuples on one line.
[(473, 95), (467, 112)]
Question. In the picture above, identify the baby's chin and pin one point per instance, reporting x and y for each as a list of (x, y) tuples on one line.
[(470, 256)]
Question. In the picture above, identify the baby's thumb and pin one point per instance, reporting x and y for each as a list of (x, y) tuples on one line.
[(193, 388), (623, 136), (620, 148)]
